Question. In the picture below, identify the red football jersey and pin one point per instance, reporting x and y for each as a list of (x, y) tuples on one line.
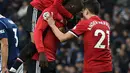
[(97, 54), (47, 44), (57, 4), (41, 4)]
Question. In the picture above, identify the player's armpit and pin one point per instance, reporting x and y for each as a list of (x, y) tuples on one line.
[(62, 29)]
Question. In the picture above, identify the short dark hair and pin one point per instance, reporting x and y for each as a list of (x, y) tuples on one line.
[(74, 6), (93, 6)]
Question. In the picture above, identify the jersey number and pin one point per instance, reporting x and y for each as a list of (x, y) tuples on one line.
[(103, 36), (15, 36)]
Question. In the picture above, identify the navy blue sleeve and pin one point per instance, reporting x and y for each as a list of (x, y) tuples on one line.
[(3, 33)]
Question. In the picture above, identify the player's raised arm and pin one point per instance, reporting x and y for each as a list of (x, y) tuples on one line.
[(61, 36)]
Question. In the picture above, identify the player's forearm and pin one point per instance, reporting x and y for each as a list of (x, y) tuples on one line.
[(61, 36), (4, 54)]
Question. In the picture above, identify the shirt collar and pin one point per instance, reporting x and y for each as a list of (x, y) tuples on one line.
[(1, 16), (95, 17)]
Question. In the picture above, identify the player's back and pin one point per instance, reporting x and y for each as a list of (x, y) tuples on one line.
[(96, 43), (11, 32)]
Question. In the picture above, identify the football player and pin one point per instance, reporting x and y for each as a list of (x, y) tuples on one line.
[(9, 43), (30, 49), (96, 33)]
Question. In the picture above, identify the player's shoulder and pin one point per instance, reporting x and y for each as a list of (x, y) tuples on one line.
[(6, 20), (2, 23), (84, 22), (106, 23), (8, 23)]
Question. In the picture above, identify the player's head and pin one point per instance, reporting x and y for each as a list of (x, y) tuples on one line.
[(91, 7), (65, 2), (73, 6)]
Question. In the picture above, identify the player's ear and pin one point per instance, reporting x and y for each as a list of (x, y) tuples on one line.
[(87, 11)]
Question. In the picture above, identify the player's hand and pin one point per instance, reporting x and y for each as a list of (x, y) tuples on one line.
[(4, 70), (50, 19), (43, 60)]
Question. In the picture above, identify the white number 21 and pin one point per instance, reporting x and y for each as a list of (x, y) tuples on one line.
[(103, 36)]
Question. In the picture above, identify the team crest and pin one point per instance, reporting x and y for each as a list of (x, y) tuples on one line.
[(46, 15)]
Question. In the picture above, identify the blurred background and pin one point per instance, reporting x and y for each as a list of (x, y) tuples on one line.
[(70, 54)]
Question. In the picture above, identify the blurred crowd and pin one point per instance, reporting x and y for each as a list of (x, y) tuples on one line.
[(70, 53)]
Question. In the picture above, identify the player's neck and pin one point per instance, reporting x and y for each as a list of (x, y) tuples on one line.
[(91, 15)]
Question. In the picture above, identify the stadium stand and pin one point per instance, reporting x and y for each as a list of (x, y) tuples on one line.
[(70, 54)]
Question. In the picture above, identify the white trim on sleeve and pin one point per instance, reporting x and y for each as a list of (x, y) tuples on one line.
[(73, 33)]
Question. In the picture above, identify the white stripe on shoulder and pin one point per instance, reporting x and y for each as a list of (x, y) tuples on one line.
[(73, 33), (4, 24)]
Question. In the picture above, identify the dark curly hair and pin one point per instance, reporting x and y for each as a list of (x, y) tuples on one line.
[(92, 5), (73, 6)]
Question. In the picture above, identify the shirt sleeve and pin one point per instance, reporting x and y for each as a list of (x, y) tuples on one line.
[(79, 29), (3, 33), (39, 29)]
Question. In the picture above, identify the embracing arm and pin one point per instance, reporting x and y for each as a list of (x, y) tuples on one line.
[(61, 36), (78, 30), (4, 52)]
